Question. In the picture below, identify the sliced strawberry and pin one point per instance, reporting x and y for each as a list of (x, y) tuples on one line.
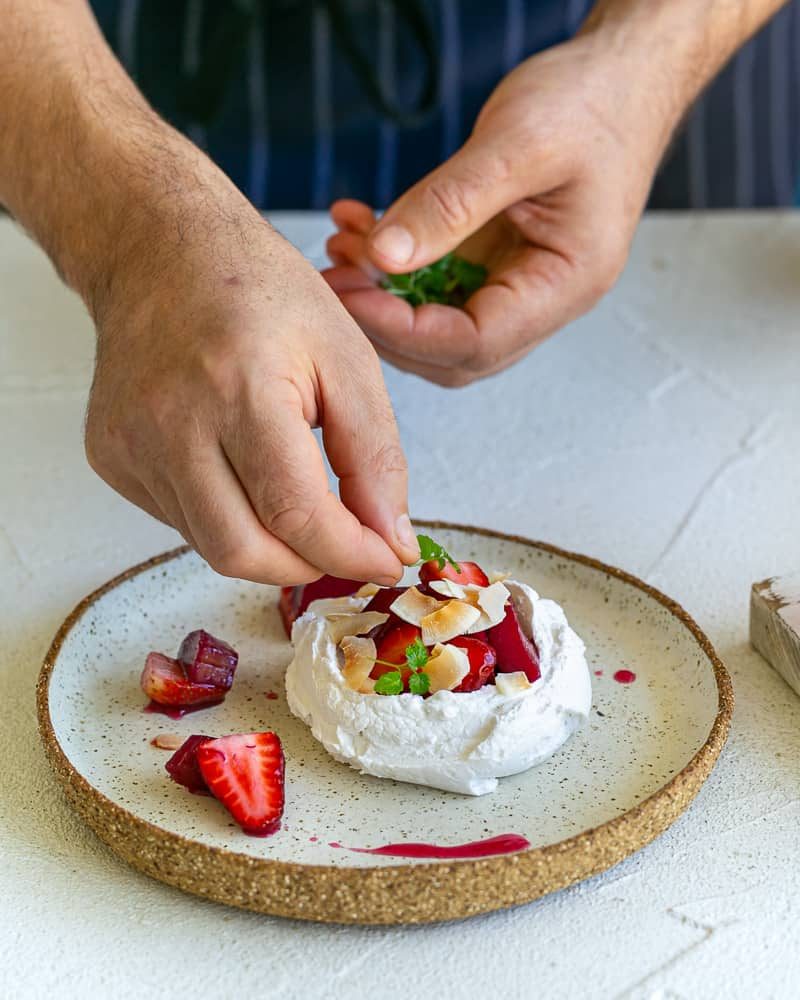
[(392, 648), (470, 573), (207, 660), (482, 662), (515, 651), (164, 682), (246, 773), (183, 767), (295, 600)]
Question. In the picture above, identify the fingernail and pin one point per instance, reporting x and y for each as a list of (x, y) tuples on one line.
[(406, 535), (395, 243)]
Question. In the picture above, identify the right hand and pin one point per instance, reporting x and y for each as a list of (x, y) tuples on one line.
[(219, 349)]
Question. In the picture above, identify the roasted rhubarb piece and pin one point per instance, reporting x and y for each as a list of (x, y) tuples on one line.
[(183, 767), (207, 660)]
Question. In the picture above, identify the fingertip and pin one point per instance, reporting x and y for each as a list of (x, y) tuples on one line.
[(406, 544)]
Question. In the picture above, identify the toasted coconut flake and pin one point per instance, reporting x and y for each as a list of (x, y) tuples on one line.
[(510, 684), (454, 618), (368, 590), (492, 602), (323, 607), (340, 626), (359, 659), (412, 606), (446, 668), (448, 588), (499, 577)]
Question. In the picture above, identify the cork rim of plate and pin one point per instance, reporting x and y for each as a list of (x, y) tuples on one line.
[(396, 893)]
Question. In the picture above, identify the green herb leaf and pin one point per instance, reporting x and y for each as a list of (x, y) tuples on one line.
[(428, 549), (418, 683), (389, 683), (449, 281), (416, 654)]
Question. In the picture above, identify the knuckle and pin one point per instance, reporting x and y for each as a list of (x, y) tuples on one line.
[(389, 458), (234, 561), (450, 202), (291, 519)]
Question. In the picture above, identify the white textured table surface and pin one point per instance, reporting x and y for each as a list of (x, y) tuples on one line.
[(660, 433)]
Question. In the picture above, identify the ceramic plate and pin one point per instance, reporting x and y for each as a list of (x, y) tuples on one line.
[(618, 783)]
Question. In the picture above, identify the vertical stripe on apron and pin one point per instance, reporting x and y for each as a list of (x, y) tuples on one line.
[(575, 15), (451, 79), (323, 113), (514, 34), (696, 156), (778, 110), (258, 98), (126, 40), (387, 131), (192, 29), (743, 126), (795, 47)]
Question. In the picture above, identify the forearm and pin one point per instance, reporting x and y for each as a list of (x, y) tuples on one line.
[(84, 161), (688, 41)]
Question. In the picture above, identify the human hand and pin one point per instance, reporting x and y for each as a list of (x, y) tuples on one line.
[(546, 194), (219, 348)]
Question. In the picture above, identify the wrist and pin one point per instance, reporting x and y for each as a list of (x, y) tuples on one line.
[(675, 45)]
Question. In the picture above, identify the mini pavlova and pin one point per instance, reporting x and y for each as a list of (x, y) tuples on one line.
[(452, 683)]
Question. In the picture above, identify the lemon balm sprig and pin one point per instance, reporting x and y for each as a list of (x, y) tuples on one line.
[(429, 549), (418, 682)]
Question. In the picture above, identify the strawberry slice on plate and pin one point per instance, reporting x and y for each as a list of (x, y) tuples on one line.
[(467, 572), (515, 651), (294, 601), (246, 773), (164, 682), (482, 662)]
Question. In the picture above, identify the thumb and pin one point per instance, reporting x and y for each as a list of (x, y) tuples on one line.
[(439, 212)]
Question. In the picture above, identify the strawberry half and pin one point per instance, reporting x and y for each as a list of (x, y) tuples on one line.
[(294, 601), (392, 648), (470, 573), (515, 651), (482, 662), (164, 682), (183, 767), (246, 773)]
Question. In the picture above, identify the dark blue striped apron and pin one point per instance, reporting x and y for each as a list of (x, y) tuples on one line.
[(274, 94)]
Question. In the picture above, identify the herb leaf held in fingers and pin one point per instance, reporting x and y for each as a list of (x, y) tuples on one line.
[(429, 549)]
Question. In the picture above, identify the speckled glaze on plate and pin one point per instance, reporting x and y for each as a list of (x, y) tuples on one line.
[(616, 785)]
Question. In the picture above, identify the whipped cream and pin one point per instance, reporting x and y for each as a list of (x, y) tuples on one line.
[(459, 742)]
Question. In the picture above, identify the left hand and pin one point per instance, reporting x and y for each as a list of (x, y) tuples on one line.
[(546, 194)]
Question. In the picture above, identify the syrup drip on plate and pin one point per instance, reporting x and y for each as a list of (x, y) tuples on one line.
[(505, 843)]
